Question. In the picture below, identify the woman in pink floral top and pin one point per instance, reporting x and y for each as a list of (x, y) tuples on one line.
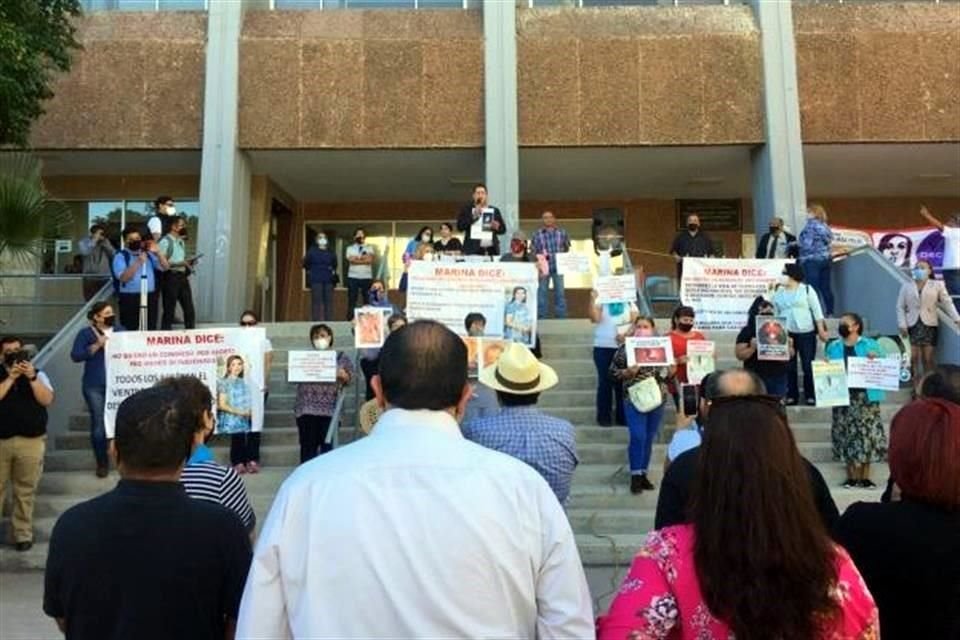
[(315, 401), (756, 563)]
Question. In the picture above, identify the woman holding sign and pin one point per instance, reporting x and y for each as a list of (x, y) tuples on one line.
[(857, 434), (645, 389), (799, 305), (234, 411), (316, 401), (681, 332)]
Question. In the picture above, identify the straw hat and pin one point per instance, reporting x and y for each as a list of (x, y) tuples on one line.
[(370, 412), (519, 372)]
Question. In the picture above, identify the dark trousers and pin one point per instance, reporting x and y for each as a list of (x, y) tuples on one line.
[(777, 385), (356, 288), (806, 346), (244, 447), (370, 369), (609, 393), (95, 398), (816, 273), (321, 301), (175, 286), (313, 436), (129, 305)]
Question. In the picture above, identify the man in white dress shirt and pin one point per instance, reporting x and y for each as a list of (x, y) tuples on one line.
[(415, 532)]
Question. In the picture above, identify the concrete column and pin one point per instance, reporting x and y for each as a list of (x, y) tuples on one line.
[(779, 187), (500, 108), (221, 285)]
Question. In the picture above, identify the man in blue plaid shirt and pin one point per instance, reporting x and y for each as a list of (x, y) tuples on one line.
[(548, 241), (547, 444)]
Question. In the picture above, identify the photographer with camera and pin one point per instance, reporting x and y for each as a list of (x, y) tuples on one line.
[(97, 255), (137, 262), (25, 394), (175, 283)]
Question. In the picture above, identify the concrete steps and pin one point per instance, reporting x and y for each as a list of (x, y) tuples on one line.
[(609, 522)]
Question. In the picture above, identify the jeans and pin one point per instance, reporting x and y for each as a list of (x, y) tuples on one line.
[(806, 346), (816, 273), (321, 301), (643, 431), (355, 288), (951, 279), (559, 297), (313, 436), (607, 390), (777, 385), (244, 447), (176, 289), (95, 398)]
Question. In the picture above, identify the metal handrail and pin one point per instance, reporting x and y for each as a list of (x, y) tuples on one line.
[(74, 324)]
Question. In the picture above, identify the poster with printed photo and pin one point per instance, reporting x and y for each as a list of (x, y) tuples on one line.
[(230, 361), (773, 340), (370, 327), (649, 352)]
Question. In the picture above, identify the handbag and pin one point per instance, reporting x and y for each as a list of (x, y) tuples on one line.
[(646, 395)]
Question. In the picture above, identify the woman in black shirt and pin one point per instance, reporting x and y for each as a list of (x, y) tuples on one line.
[(448, 244), (909, 551), (772, 372)]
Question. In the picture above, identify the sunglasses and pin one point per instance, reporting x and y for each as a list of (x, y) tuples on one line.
[(248, 324)]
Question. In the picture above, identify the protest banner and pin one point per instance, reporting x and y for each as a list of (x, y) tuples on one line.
[(902, 247), (721, 291), (504, 292), (654, 351), (229, 361), (701, 360), (312, 366), (370, 330), (773, 340), (874, 373), (830, 383), (616, 288), (569, 264)]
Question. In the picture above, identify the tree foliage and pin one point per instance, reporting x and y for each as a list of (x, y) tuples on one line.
[(36, 41), (27, 213)]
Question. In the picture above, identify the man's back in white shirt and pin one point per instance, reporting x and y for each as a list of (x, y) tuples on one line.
[(416, 532)]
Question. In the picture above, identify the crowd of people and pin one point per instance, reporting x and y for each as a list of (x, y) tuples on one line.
[(459, 530)]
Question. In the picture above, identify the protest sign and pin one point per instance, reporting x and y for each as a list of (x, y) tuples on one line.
[(473, 355), (569, 263), (312, 366), (721, 291), (655, 351), (830, 383), (490, 350), (874, 373), (229, 361), (371, 327), (701, 360), (504, 292), (902, 247), (773, 340), (616, 288)]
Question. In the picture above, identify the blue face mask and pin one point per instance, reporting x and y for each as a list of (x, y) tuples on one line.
[(920, 274), (616, 308)]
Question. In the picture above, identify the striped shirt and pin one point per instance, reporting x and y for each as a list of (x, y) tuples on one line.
[(215, 483)]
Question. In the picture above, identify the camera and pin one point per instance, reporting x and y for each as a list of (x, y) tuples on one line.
[(15, 357)]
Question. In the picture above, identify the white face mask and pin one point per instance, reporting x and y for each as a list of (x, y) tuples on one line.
[(171, 210), (784, 280), (321, 242), (321, 343), (426, 237)]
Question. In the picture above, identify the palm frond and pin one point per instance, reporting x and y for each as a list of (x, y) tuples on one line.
[(27, 213)]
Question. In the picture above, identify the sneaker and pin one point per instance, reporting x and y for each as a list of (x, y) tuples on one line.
[(240, 468), (791, 402), (23, 546), (867, 484), (253, 467), (851, 484), (645, 483)]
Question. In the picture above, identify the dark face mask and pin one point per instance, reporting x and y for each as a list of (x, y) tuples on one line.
[(685, 328), (359, 239), (844, 331), (135, 245), (693, 227), (774, 230), (109, 321)]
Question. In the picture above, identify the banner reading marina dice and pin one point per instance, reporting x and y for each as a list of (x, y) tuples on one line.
[(721, 291), (504, 292), (229, 361)]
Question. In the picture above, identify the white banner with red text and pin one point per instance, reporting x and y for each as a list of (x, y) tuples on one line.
[(230, 361), (504, 292), (721, 291)]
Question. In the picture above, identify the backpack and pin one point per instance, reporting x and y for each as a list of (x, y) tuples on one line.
[(113, 275)]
